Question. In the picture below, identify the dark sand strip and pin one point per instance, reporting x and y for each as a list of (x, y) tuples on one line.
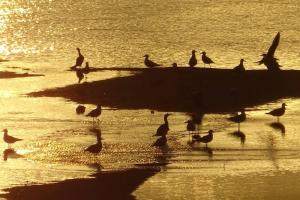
[(4, 75), (104, 185)]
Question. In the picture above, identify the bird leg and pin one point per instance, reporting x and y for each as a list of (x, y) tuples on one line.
[(239, 127)]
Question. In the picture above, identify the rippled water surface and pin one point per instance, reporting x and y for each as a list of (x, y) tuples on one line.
[(41, 36)]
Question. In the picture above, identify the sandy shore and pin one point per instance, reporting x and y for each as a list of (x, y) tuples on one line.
[(184, 89), (103, 185), (6, 74)]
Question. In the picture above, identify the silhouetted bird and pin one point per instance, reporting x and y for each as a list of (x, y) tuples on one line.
[(149, 63), (238, 118), (268, 58), (95, 148), (9, 139), (240, 67), (95, 113), (278, 112), (164, 128), (80, 109), (86, 70), (205, 59), (162, 141), (79, 75), (79, 59), (207, 138), (193, 59), (174, 65)]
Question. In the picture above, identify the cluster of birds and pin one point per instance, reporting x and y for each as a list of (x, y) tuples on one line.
[(268, 59), (163, 129), (81, 73)]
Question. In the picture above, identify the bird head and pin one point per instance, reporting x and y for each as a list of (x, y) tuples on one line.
[(210, 131), (78, 49), (283, 105), (87, 64), (4, 130), (98, 106), (146, 56), (193, 51), (203, 52), (174, 65), (242, 60)]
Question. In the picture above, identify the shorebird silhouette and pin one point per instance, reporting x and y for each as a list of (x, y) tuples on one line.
[(164, 128), (238, 118), (150, 63), (95, 113), (79, 75), (9, 139), (86, 70), (193, 59), (79, 59), (278, 111), (162, 141), (205, 59), (240, 67), (96, 148), (174, 65), (80, 109), (207, 138), (268, 58)]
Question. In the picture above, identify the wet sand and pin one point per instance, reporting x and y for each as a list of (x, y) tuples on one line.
[(184, 89), (103, 185), (6, 74)]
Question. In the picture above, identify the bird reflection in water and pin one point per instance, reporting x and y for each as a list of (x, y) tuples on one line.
[(240, 135), (278, 126), (10, 153), (95, 148)]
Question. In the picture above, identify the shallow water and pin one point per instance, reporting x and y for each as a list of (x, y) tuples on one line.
[(43, 35)]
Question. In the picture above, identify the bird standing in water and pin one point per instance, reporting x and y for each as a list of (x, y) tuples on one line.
[(238, 118), (278, 112), (207, 138), (206, 60), (95, 113), (193, 59), (240, 67), (164, 128), (149, 63), (9, 139), (79, 59)]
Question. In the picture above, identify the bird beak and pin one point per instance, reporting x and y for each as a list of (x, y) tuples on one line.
[(186, 122)]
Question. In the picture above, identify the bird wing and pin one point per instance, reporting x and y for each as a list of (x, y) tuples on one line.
[(274, 45), (152, 64)]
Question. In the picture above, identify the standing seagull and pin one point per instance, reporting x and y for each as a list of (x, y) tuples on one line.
[(193, 59), (207, 138), (9, 139), (240, 67), (164, 128), (238, 118), (278, 112), (95, 113), (268, 58), (96, 148), (150, 63), (79, 59), (205, 59), (86, 70)]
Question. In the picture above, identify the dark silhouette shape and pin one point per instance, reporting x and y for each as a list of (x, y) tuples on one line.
[(190, 127), (197, 119), (238, 118), (193, 59), (79, 75), (164, 128), (149, 63), (278, 111), (209, 151), (161, 141), (80, 109), (207, 138), (206, 59), (174, 65), (9, 139), (86, 70), (95, 113), (240, 135), (196, 138), (268, 58), (79, 59), (278, 126), (96, 148), (10, 153), (240, 67)]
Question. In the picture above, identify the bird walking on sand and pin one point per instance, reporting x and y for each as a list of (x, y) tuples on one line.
[(95, 148), (150, 63), (268, 58), (86, 70), (79, 59), (95, 113), (239, 118), (193, 59), (9, 139), (278, 111), (206, 60), (162, 141), (164, 128), (207, 138), (240, 67), (79, 75)]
